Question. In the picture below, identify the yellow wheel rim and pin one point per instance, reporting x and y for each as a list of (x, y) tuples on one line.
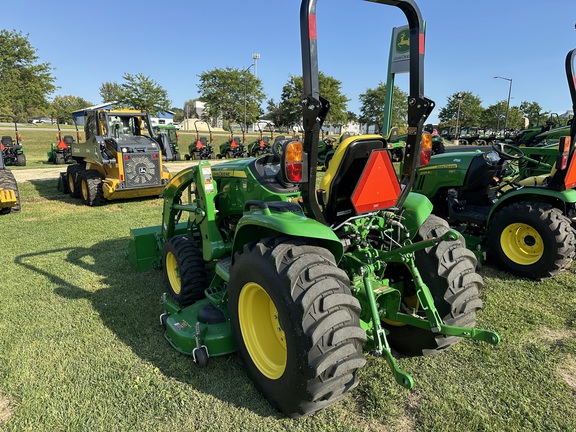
[(261, 330), (522, 244), (173, 273), (71, 182), (84, 189)]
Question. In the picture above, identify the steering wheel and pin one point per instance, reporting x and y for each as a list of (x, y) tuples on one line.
[(507, 151), (277, 149)]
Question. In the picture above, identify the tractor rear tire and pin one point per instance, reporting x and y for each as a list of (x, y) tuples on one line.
[(296, 324), (59, 158), (91, 188), (21, 159), (73, 179), (8, 182), (449, 271), (184, 270), (532, 240)]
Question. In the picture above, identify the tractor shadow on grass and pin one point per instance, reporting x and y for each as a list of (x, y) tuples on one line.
[(129, 306), (48, 190)]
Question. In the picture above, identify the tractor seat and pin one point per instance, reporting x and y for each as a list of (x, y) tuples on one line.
[(539, 180), (341, 178), (203, 141), (68, 139), (7, 141)]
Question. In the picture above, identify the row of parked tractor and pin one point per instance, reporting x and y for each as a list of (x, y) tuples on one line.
[(298, 276), (542, 133)]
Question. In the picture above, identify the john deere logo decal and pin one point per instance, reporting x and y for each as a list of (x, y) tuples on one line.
[(403, 41), (141, 170)]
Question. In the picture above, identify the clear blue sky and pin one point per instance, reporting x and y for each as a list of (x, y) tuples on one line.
[(468, 42)]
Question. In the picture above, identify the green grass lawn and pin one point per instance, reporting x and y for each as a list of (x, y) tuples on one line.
[(81, 347)]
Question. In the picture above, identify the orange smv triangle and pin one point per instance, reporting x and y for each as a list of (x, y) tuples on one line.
[(378, 186)]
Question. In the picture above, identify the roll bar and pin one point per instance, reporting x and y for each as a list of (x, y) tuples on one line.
[(315, 108)]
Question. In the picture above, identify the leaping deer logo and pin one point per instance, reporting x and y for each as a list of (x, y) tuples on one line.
[(403, 41)]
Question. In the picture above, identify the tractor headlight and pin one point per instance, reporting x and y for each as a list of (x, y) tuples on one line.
[(124, 150)]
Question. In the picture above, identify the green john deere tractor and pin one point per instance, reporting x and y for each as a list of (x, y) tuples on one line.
[(524, 222), (302, 278)]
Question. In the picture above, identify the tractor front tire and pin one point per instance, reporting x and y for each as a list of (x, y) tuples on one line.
[(532, 240), (91, 188), (184, 270), (449, 271), (21, 159), (296, 324)]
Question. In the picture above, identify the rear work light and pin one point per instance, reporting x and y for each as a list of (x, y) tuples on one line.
[(426, 152)]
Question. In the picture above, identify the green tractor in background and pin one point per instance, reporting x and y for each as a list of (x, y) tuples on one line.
[(60, 152), (170, 151), (524, 223), (302, 278), (201, 148), (11, 148), (233, 148)]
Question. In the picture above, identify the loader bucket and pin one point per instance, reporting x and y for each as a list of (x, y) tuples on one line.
[(143, 251)]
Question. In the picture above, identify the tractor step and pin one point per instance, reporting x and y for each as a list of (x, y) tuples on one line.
[(472, 213)]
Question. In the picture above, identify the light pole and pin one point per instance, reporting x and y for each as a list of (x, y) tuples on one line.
[(255, 57), (459, 96), (243, 72), (507, 103)]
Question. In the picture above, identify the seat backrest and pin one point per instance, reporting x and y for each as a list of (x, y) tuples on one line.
[(343, 174), (7, 141), (68, 139)]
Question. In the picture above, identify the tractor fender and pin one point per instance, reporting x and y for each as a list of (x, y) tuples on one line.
[(562, 200), (417, 208), (253, 227)]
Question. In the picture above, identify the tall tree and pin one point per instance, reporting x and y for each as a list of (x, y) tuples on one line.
[(291, 99), (494, 117), (62, 106), (274, 114), (143, 93), (231, 94), (110, 92), (137, 91), (468, 105), (25, 84), (372, 103)]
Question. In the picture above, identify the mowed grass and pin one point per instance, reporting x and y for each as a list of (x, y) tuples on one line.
[(81, 347)]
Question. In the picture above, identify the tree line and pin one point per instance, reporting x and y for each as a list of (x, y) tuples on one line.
[(232, 94)]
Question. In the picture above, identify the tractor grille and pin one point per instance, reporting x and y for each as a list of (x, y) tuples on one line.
[(142, 171)]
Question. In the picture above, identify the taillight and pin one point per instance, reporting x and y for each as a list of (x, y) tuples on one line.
[(564, 150), (426, 152), (293, 163), (79, 137)]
